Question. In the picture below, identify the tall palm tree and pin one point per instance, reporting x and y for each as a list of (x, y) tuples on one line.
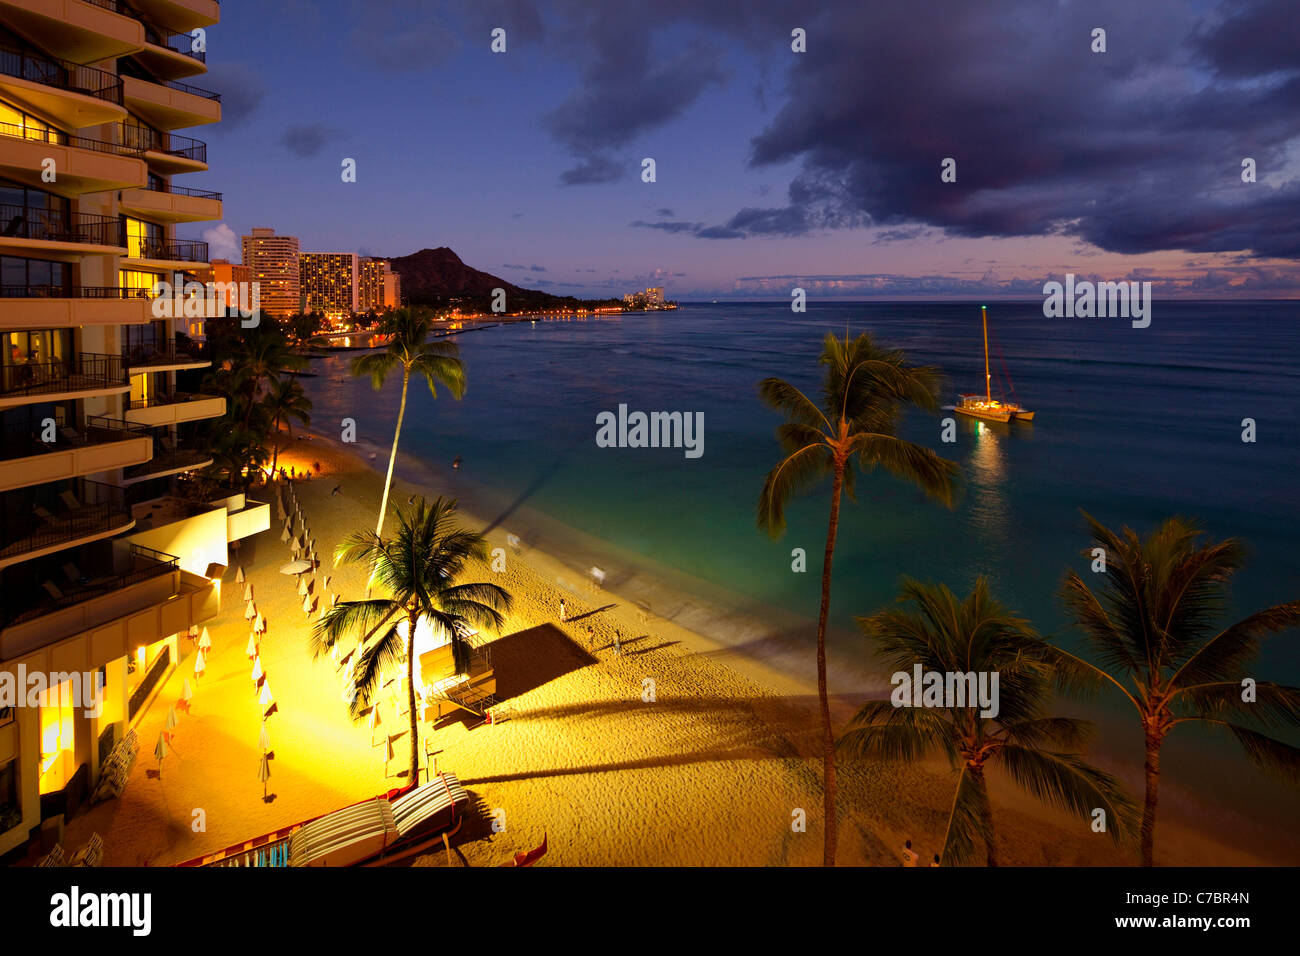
[(436, 362), (420, 566), (1151, 625), (1042, 754), (261, 356), (286, 402), (863, 395)]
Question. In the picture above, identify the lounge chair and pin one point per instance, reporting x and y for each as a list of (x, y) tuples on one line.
[(42, 513), (69, 499), (52, 590), (73, 574)]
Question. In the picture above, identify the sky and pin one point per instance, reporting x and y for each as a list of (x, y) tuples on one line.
[(774, 168)]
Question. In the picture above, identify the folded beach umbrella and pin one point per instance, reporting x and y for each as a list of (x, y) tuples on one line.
[(171, 718), (264, 773), (250, 611), (265, 698), (257, 668), (260, 625), (248, 592), (239, 575), (251, 649), (302, 586), (306, 604), (161, 750), (199, 664), (205, 642), (187, 693), (284, 535), (325, 581), (334, 652), (264, 739)]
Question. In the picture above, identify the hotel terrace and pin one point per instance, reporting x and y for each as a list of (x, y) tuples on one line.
[(107, 557)]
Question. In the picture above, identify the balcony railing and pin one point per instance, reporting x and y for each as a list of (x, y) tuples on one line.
[(142, 138), (44, 519), (145, 564), (21, 440), (181, 43), (159, 399), (59, 138), (168, 459), (27, 65), (113, 5), (164, 187), (83, 372), (164, 353), (69, 291), (173, 250), (55, 225), (193, 90)]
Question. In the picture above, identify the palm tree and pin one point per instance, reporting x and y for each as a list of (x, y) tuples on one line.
[(1042, 754), (420, 566), (261, 355), (863, 394), (1151, 627), (436, 362), (287, 402)]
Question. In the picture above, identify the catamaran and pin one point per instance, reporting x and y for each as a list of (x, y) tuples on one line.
[(986, 406)]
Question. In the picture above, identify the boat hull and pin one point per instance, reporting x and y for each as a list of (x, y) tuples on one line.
[(1024, 416), (985, 414)]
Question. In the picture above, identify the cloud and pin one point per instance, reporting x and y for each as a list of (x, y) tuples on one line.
[(665, 213), (537, 268), (596, 169), (511, 265), (242, 91), (308, 139), (222, 242), (402, 36), (671, 225)]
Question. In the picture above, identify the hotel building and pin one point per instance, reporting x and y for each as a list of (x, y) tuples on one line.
[(381, 287), (274, 263), (329, 283), (108, 557), (231, 277)]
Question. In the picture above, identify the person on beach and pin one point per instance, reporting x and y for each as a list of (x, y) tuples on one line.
[(338, 490), (591, 637), (910, 857), (564, 612), (618, 643), (936, 860)]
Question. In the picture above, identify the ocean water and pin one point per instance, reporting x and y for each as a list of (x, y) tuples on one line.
[(1133, 425)]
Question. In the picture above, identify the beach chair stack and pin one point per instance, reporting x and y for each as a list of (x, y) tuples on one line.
[(112, 776), (92, 854), (55, 857)]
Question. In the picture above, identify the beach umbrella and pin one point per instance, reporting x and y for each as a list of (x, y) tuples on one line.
[(264, 773), (161, 751), (250, 611), (239, 575), (199, 664), (194, 630), (187, 693), (248, 592), (260, 625), (306, 604), (265, 698), (265, 738), (373, 720), (302, 587), (325, 581), (257, 668), (334, 653), (171, 718), (205, 642), (295, 567), (251, 649), (284, 535)]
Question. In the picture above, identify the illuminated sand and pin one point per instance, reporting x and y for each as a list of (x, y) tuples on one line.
[(710, 773)]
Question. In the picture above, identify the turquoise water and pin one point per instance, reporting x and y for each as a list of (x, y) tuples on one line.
[(1133, 425)]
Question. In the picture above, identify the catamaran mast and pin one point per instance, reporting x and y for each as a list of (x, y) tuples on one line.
[(988, 382)]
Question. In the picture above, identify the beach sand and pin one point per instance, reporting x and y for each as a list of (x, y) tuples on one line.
[(715, 768)]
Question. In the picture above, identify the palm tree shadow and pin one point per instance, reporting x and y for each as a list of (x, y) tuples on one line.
[(539, 481)]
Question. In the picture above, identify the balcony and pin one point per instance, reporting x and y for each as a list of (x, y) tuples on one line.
[(171, 105), (80, 31), (83, 165), (167, 153), (105, 444), (179, 15), (51, 230), (58, 307), (69, 95), (39, 523), (171, 57), (85, 375), (170, 204), (144, 599), (166, 356), (168, 459), (167, 253), (175, 408)]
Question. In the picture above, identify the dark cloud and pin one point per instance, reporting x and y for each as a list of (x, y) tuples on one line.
[(537, 268), (596, 169), (242, 91), (669, 226), (512, 265), (665, 213), (307, 139)]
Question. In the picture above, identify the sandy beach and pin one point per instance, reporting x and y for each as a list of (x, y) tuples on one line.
[(711, 769)]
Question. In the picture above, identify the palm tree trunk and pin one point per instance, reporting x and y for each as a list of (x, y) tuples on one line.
[(828, 734), (1152, 768), (275, 433), (990, 849), (392, 457), (410, 700)]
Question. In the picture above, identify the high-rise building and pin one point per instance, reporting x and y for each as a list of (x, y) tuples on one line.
[(329, 283), (380, 286), (103, 564), (274, 263), (654, 295), (230, 278)]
